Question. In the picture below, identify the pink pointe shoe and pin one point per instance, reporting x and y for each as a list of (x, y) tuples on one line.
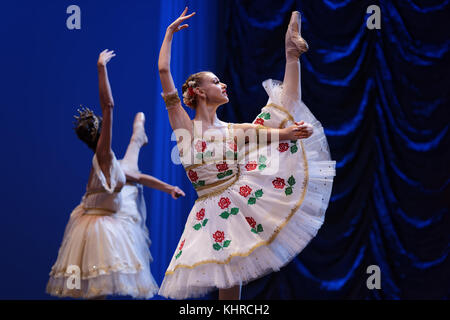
[(295, 44), (138, 129)]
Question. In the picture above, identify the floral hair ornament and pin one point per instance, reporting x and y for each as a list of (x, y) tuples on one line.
[(191, 85)]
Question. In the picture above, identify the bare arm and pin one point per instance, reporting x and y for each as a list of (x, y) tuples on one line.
[(103, 151), (178, 117), (298, 131), (154, 183)]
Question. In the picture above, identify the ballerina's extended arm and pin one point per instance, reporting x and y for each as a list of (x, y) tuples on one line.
[(103, 151), (178, 117), (154, 183)]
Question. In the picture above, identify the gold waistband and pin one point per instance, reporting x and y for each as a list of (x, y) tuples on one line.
[(214, 184), (98, 211), (229, 183), (116, 190)]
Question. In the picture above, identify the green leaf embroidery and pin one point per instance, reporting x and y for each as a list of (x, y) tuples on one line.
[(208, 154), (262, 167), (294, 149), (259, 193), (260, 228), (226, 243), (294, 141), (204, 222), (222, 175), (199, 156), (234, 211), (197, 226), (224, 215), (262, 159), (201, 183), (267, 116), (261, 115), (254, 230), (251, 200), (217, 246), (178, 255), (288, 191), (291, 181)]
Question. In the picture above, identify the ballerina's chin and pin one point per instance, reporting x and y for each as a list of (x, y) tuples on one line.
[(259, 204)]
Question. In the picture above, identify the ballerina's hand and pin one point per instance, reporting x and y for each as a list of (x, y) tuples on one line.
[(175, 26), (104, 57), (176, 192), (304, 130)]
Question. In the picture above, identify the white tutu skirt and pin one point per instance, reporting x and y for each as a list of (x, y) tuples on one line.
[(266, 216), (111, 253)]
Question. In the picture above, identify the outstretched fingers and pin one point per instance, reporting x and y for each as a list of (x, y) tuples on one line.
[(175, 26), (105, 56)]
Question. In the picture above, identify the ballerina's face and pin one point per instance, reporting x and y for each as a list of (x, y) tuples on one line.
[(215, 91)]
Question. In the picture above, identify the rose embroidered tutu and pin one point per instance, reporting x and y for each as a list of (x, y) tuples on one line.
[(256, 214), (107, 240)]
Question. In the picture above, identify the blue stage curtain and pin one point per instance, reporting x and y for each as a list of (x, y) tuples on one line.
[(382, 96), (383, 99)]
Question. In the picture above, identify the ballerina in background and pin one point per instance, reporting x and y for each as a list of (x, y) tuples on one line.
[(252, 216), (106, 236)]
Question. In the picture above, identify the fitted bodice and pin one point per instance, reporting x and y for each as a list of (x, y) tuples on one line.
[(211, 162), (101, 197)]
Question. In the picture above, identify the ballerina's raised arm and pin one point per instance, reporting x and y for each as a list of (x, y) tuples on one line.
[(178, 117), (103, 149)]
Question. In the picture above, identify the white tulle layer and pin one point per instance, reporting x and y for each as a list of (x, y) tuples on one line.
[(111, 252), (288, 239)]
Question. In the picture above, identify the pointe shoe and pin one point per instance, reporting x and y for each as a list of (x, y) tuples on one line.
[(138, 129), (295, 44)]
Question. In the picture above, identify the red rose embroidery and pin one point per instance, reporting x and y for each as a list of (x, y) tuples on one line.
[(259, 121), (233, 146), (201, 214), (182, 244), (219, 236), (200, 146), (224, 203), (251, 222), (193, 175), (283, 147), (222, 167), (251, 165), (278, 183), (245, 191)]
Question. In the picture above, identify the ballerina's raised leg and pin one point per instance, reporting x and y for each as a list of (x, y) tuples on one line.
[(295, 46), (137, 141)]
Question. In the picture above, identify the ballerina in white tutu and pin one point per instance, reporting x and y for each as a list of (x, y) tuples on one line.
[(259, 204), (106, 242)]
